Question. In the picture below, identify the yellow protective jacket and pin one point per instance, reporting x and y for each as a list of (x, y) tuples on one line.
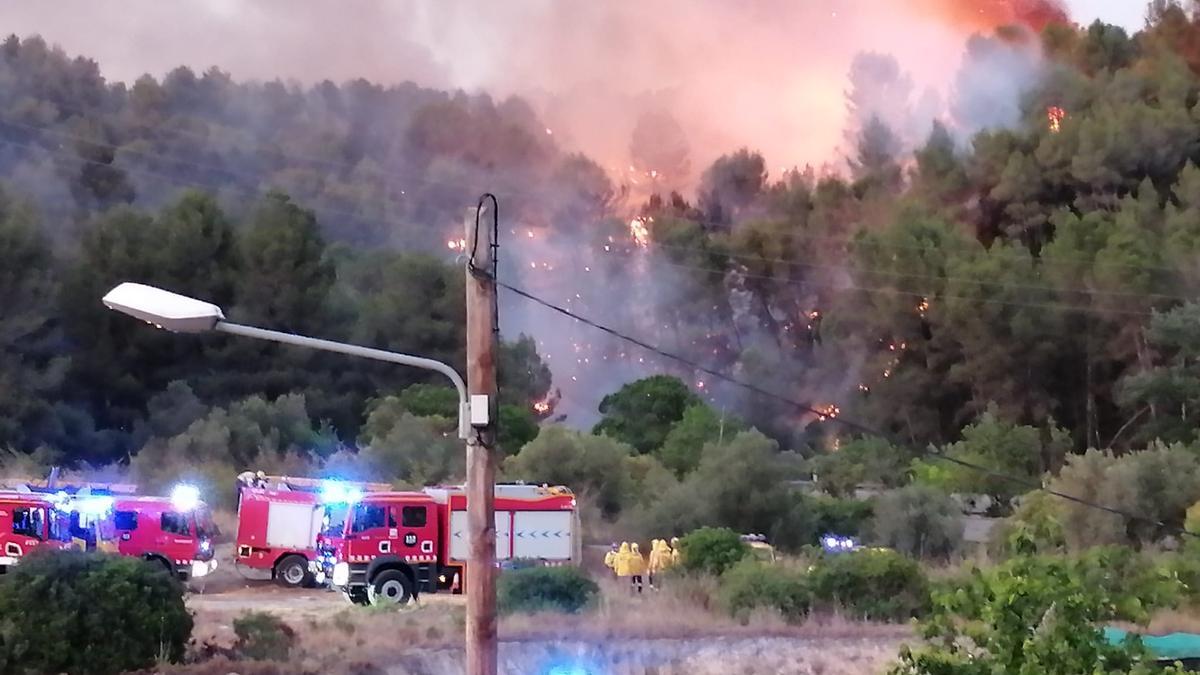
[(660, 556), (655, 563), (637, 564), (676, 554), (610, 560), (623, 561)]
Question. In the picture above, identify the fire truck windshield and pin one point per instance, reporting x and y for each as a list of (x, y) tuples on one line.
[(334, 522), (60, 526), (205, 527), (30, 522)]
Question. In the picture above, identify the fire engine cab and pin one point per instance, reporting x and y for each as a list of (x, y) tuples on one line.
[(395, 545), (282, 520), (176, 532), (28, 522)]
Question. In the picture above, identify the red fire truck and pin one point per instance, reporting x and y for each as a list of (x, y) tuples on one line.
[(176, 532), (28, 522), (396, 545), (281, 522)]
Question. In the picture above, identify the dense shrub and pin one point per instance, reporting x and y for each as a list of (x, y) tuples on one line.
[(1184, 568), (1031, 615), (751, 585), (1124, 573), (712, 550), (919, 521), (538, 589), (873, 584), (263, 637), (89, 614)]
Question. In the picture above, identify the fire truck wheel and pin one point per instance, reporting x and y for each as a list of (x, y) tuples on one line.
[(390, 587), (292, 571), (157, 560), (357, 596)]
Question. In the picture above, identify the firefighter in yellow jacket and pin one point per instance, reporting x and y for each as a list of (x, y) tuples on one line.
[(621, 561), (676, 554), (610, 558), (637, 568), (660, 560)]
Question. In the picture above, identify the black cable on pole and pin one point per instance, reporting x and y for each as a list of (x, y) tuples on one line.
[(1014, 480), (493, 275)]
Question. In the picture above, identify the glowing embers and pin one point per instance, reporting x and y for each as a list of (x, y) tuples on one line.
[(1054, 116), (827, 411)]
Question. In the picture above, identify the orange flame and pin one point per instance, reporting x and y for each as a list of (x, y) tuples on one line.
[(988, 14), (456, 244), (641, 235), (827, 412), (1055, 116)]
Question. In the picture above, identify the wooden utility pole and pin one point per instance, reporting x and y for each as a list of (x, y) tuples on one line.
[(481, 467)]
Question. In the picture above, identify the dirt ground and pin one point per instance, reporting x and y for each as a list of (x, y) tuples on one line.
[(663, 634)]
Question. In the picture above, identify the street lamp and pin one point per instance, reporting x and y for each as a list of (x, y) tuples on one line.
[(181, 314)]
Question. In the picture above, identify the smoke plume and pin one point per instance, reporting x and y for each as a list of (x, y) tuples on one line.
[(768, 74), (653, 91)]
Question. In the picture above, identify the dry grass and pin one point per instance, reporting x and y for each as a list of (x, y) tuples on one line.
[(675, 630), (1168, 621), (684, 609)]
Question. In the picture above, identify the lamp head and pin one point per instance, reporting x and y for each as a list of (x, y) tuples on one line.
[(164, 309)]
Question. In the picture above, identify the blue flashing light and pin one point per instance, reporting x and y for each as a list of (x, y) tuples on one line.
[(93, 506), (833, 543), (567, 670), (336, 492), (185, 497)]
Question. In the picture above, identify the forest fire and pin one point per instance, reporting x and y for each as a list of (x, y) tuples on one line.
[(639, 232), (1055, 116), (544, 407), (985, 14), (827, 411), (456, 244)]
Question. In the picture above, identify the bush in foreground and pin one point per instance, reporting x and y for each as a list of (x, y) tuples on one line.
[(751, 585), (262, 636), (712, 550), (875, 584), (1033, 615), (89, 614), (539, 589)]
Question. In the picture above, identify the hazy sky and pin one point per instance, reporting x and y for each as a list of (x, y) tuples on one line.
[(768, 74), (1128, 13)]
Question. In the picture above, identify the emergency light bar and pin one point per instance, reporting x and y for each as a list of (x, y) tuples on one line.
[(185, 497), (336, 492), (320, 484), (91, 506), (832, 543)]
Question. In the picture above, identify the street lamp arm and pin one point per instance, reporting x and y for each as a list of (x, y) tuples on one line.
[(360, 352)]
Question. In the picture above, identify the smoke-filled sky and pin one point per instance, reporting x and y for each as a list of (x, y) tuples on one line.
[(769, 74)]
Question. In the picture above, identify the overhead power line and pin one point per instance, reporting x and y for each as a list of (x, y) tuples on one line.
[(850, 424)]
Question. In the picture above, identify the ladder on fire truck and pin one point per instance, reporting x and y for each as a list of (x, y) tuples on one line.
[(53, 484)]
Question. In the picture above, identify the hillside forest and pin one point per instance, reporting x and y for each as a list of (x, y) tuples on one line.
[(1020, 296)]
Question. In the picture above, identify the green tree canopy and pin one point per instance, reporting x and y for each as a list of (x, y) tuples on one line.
[(642, 413)]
